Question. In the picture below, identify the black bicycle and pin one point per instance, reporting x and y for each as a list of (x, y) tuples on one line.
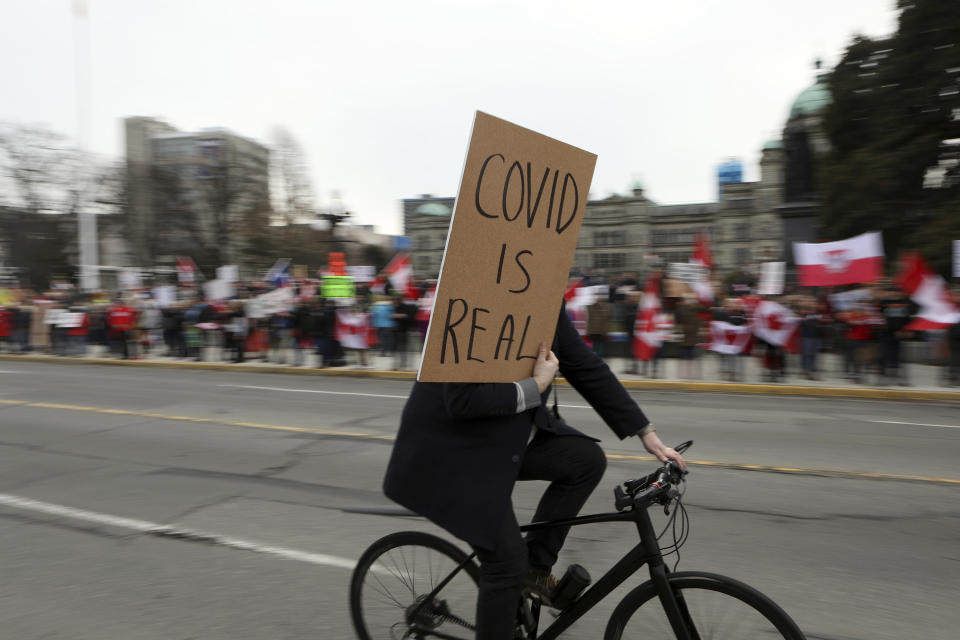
[(413, 585)]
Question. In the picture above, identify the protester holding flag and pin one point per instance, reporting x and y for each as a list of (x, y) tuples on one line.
[(403, 317), (702, 286), (688, 322), (647, 335), (810, 330), (353, 331), (730, 338), (896, 312)]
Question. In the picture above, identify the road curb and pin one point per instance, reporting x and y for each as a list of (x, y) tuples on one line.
[(871, 393)]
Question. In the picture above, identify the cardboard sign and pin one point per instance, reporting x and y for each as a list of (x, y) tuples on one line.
[(512, 236), (771, 278)]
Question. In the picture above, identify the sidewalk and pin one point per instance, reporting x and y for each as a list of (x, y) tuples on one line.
[(926, 381)]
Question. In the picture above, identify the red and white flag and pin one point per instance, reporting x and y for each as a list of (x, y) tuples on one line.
[(647, 336), (827, 264), (702, 287), (186, 270), (425, 305), (400, 274), (730, 338), (572, 286), (938, 309), (353, 329), (777, 325)]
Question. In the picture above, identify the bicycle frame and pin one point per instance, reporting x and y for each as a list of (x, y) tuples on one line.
[(646, 552)]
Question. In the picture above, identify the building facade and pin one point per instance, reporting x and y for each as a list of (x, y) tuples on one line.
[(204, 193), (631, 233), (752, 222)]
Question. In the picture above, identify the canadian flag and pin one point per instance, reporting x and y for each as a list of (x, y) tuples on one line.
[(400, 274), (572, 287), (827, 264), (729, 338), (425, 305), (353, 329), (701, 256), (378, 285), (777, 325), (647, 336), (186, 270), (938, 309)]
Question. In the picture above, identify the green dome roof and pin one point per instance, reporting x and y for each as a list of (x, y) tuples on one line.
[(811, 100), (433, 209), (638, 185)]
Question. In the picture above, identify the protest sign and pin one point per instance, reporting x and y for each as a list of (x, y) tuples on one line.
[(218, 290), (165, 296), (362, 273), (771, 278), (130, 279), (228, 273), (512, 236), (272, 303), (688, 273)]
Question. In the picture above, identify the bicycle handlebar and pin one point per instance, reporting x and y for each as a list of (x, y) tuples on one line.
[(659, 486)]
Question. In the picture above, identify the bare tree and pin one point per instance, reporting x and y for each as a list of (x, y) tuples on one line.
[(44, 182), (292, 192)]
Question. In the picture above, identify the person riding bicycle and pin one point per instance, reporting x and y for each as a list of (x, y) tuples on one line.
[(461, 447)]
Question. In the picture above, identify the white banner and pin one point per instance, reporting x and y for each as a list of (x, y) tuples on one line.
[(268, 304), (362, 273), (686, 272), (130, 279), (771, 278), (218, 290), (228, 273)]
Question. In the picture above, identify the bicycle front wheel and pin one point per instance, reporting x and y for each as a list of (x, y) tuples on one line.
[(392, 580), (714, 607)]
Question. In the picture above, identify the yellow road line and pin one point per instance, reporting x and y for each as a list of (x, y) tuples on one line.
[(736, 466)]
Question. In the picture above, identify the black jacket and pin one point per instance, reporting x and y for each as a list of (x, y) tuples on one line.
[(459, 447)]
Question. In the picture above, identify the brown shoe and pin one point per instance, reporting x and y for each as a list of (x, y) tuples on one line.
[(541, 584)]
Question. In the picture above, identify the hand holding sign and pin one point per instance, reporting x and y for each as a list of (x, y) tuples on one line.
[(545, 370)]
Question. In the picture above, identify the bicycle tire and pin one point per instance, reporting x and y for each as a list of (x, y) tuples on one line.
[(640, 614), (380, 604)]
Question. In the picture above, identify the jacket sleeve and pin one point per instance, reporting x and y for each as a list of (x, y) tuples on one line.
[(592, 378), (468, 400)]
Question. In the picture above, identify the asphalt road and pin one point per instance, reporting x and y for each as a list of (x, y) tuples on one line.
[(830, 524)]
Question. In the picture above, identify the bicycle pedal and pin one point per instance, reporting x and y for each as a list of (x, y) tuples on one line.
[(570, 586)]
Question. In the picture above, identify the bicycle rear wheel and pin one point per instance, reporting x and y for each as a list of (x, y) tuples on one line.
[(717, 608), (396, 573)]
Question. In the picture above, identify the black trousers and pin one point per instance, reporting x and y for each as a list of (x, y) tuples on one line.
[(574, 466)]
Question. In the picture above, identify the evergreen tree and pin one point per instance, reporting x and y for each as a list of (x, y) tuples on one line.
[(894, 129)]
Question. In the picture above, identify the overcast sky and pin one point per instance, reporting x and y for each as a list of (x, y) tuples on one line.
[(381, 94)]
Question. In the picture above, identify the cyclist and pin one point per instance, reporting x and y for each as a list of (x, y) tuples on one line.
[(462, 446)]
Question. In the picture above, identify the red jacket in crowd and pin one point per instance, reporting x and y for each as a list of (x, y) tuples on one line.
[(6, 323), (82, 329), (122, 318)]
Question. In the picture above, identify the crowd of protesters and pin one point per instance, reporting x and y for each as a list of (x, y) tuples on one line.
[(864, 327)]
